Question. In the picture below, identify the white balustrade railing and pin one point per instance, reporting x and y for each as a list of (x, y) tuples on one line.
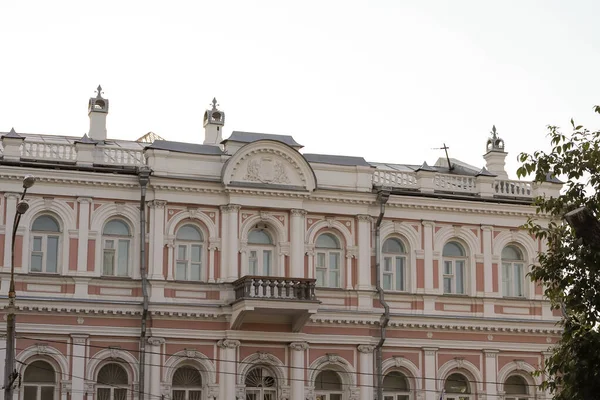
[(455, 183), (507, 187), (49, 151), (383, 177), (117, 156)]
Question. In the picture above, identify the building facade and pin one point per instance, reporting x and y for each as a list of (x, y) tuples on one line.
[(244, 269)]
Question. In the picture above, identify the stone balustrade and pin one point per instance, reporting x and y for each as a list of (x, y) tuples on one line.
[(278, 288)]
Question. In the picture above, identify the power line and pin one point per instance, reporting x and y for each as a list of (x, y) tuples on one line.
[(215, 359)]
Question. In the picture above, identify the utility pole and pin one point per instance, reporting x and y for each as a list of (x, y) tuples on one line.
[(10, 372)]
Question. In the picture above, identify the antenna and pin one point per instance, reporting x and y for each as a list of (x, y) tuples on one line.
[(445, 148)]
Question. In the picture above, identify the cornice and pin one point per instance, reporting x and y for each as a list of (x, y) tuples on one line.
[(76, 181)]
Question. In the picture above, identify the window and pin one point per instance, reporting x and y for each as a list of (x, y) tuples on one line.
[(516, 388), (117, 245), (457, 387), (44, 245), (454, 268), (188, 263), (395, 386), (260, 253), (512, 272), (394, 265), (39, 381), (187, 384), (112, 383), (328, 386), (329, 254), (260, 384)]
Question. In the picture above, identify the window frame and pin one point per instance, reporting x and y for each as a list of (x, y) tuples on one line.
[(188, 244), (116, 239), (44, 236), (325, 394), (517, 396), (394, 258), (188, 389), (509, 282), (112, 386), (260, 250), (452, 261), (260, 391), (39, 385), (398, 394), (325, 267), (458, 396)]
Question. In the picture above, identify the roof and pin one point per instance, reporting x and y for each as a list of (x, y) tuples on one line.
[(336, 160), (249, 137), (181, 147)]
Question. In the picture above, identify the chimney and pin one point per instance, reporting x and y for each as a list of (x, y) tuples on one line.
[(97, 111), (214, 120)]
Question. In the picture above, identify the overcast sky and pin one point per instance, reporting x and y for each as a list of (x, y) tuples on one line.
[(386, 80)]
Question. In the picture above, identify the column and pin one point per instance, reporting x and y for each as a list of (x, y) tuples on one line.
[(297, 381), (366, 371), (297, 227), (491, 373), (2, 362), (430, 372), (11, 209), (78, 362), (83, 232), (428, 256), (230, 246), (364, 252), (227, 372), (157, 239), (213, 245), (153, 366), (488, 305), (349, 257), (224, 239)]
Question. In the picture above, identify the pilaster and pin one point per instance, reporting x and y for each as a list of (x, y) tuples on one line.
[(229, 268), (428, 227), (78, 361), (430, 371), (364, 252), (491, 372), (227, 372), (83, 233), (11, 209), (297, 227), (157, 229), (366, 370), (154, 366), (298, 350)]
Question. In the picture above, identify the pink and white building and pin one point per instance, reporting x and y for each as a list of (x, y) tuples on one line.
[(261, 271)]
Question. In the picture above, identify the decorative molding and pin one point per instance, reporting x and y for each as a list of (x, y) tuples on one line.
[(84, 199), (156, 341), (430, 351), (157, 203), (364, 218), (299, 346), (228, 344), (79, 339), (230, 208), (298, 212), (65, 386)]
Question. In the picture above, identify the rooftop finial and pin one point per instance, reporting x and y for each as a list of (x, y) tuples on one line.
[(494, 142), (214, 104), (99, 90), (493, 132)]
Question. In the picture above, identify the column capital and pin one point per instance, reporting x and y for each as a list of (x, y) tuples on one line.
[(84, 200), (79, 339), (365, 348), (228, 343), (299, 346), (157, 203), (364, 218), (12, 195), (230, 208), (428, 224), (296, 212), (430, 351), (487, 228), (490, 353), (156, 341)]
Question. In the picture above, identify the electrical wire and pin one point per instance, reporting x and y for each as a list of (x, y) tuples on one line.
[(247, 362)]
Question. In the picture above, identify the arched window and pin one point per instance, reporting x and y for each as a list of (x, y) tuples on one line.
[(39, 381), (455, 260), (329, 254), (395, 386), (188, 263), (457, 387), (513, 275), (187, 384), (45, 233), (116, 237), (261, 384), (328, 386), (516, 388), (260, 253), (112, 383), (394, 265)]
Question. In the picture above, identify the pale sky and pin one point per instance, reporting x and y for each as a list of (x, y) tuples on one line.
[(386, 80)]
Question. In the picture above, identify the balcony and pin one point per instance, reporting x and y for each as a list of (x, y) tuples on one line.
[(273, 300)]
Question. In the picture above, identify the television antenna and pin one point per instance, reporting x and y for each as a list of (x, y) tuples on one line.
[(445, 148)]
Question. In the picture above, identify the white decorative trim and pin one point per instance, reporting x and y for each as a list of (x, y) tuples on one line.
[(194, 215), (336, 363), (42, 351), (190, 357), (268, 360), (271, 221), (407, 367), (106, 356), (331, 224), (464, 367), (517, 367)]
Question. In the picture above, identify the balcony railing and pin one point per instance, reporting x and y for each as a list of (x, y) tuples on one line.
[(48, 151), (277, 288), (513, 188)]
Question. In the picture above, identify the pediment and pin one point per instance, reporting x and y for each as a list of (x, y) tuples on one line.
[(269, 164)]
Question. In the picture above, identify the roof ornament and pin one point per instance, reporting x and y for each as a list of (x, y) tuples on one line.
[(214, 104), (494, 142), (99, 91)]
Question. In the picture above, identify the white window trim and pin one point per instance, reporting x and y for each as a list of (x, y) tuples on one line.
[(511, 264), (394, 257), (260, 249), (203, 267), (443, 274), (133, 250), (327, 268), (44, 235)]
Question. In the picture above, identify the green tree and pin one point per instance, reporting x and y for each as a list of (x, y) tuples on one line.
[(570, 269)]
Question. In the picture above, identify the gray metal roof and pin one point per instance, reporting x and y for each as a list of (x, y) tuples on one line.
[(336, 160), (249, 137), (457, 170), (181, 147)]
